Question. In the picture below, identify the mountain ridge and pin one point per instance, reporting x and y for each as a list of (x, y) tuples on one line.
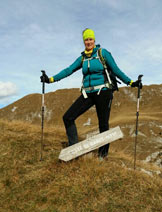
[(28, 108)]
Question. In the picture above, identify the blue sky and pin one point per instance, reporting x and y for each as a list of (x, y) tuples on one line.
[(47, 34)]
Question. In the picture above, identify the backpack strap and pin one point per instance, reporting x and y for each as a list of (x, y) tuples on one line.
[(102, 60)]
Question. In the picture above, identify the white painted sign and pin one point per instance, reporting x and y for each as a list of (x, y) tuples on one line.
[(90, 144)]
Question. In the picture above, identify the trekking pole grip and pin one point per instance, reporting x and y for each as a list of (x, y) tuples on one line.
[(139, 86), (140, 77), (43, 75)]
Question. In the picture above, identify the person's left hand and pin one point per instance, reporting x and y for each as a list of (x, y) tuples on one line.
[(44, 78), (137, 83)]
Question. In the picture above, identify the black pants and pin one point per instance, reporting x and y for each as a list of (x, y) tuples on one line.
[(102, 103)]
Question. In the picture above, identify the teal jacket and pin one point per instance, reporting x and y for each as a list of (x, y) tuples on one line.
[(95, 74)]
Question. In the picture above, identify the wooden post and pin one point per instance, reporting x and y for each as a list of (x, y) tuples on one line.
[(90, 144)]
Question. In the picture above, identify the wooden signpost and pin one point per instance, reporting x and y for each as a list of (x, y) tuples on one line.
[(90, 144)]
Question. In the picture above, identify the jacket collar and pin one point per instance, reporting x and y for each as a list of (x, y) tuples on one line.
[(94, 50)]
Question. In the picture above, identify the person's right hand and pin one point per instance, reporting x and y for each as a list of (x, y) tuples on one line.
[(137, 83)]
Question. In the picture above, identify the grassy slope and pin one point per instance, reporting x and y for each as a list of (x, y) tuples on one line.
[(28, 184)]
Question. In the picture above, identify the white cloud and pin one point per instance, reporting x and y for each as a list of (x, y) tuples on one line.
[(7, 89)]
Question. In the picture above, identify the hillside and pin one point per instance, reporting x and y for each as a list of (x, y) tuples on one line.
[(29, 107), (83, 185), (123, 113)]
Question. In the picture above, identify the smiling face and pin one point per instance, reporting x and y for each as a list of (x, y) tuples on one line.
[(89, 44)]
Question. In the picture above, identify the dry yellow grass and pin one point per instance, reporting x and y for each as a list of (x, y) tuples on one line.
[(30, 185)]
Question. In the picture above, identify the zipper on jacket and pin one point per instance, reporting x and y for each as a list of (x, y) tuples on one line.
[(89, 73), (89, 77)]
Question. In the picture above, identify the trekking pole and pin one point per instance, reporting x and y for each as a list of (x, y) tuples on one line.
[(42, 121), (137, 115)]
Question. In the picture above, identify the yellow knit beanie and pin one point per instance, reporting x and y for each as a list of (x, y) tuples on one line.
[(88, 33)]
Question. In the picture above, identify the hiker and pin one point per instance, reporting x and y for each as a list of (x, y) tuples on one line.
[(97, 87)]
